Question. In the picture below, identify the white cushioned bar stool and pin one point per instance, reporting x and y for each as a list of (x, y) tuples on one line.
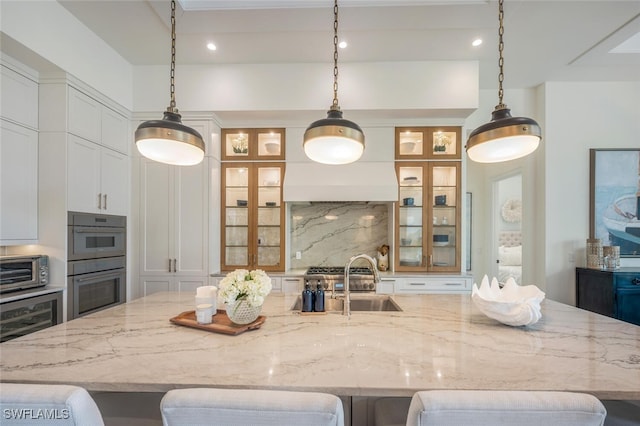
[(495, 408), (207, 406), (55, 405)]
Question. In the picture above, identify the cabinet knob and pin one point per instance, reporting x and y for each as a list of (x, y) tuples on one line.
[(635, 281)]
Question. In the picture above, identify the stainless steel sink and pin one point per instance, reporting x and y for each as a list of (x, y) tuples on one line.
[(359, 303)]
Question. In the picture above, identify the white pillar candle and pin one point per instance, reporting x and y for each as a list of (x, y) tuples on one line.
[(203, 312)]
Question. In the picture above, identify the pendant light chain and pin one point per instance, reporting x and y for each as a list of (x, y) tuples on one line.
[(335, 106), (500, 105), (172, 104)]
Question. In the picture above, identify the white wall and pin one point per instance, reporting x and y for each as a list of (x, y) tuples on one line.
[(579, 116), (449, 86), (49, 30)]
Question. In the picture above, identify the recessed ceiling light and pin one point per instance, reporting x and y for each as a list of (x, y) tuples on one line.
[(477, 42), (211, 46), (342, 44)]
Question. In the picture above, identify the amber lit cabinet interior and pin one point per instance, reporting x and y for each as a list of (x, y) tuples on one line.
[(253, 144), (252, 228), (428, 143), (428, 211)]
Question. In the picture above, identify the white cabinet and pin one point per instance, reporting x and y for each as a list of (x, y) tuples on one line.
[(154, 284), (18, 184), (97, 178), (114, 131), (439, 284), (93, 121), (292, 284), (386, 286), (174, 225), (19, 100)]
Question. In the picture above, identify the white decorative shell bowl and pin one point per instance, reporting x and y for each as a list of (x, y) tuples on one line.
[(512, 305)]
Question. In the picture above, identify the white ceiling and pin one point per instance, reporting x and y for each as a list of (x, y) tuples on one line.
[(544, 40)]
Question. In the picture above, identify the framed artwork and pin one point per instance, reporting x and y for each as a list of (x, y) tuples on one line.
[(614, 201)]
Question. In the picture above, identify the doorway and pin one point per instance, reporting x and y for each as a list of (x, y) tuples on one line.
[(507, 227)]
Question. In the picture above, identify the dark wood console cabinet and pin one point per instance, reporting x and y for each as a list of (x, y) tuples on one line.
[(614, 293)]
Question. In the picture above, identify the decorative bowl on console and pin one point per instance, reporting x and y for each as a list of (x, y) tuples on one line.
[(512, 304)]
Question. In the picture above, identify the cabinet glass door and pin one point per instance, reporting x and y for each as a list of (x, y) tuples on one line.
[(236, 216), (270, 143), (410, 142), (236, 144), (445, 142), (269, 218), (409, 238), (444, 199)]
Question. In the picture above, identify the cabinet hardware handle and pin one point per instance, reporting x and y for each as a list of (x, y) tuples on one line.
[(99, 231), (100, 276), (105, 201), (175, 265), (456, 284), (100, 201), (169, 265), (417, 283), (635, 281), (292, 279)]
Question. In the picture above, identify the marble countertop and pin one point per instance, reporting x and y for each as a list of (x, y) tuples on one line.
[(437, 342)]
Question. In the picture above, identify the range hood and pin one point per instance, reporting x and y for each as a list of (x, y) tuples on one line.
[(359, 181)]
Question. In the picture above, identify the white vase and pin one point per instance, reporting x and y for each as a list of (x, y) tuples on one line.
[(240, 312)]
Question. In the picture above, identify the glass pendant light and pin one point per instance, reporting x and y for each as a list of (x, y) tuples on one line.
[(334, 140), (168, 140), (505, 137)]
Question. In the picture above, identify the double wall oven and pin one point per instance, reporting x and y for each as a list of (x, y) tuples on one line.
[(96, 270)]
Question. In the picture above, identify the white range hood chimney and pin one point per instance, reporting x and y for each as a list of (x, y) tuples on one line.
[(359, 181)]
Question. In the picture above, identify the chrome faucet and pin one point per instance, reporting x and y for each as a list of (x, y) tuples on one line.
[(346, 310)]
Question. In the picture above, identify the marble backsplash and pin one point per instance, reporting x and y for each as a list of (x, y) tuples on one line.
[(328, 234)]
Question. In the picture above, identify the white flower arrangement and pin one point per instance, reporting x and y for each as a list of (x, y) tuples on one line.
[(241, 284)]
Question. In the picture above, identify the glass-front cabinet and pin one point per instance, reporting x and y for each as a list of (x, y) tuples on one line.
[(427, 236), (252, 229), (253, 144), (428, 143)]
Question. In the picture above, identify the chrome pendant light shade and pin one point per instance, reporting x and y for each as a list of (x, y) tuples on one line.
[(505, 137), (334, 140), (168, 140)]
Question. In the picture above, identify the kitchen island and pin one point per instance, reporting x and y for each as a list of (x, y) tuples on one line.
[(436, 342)]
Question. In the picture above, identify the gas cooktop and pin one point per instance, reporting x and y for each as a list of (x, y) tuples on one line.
[(331, 278), (338, 270)]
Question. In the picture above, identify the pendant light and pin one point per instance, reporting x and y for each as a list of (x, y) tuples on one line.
[(504, 137), (168, 140), (334, 140)]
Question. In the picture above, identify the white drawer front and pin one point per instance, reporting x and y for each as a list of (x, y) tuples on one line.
[(433, 285)]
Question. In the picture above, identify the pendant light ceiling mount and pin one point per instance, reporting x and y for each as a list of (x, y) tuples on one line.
[(505, 137), (168, 140), (334, 140)]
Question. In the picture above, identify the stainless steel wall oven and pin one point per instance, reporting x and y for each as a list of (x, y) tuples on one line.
[(96, 271), (91, 236)]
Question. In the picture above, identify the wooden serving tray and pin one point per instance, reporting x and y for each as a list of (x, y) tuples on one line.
[(221, 323)]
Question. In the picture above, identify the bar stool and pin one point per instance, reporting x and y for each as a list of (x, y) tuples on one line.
[(522, 408), (22, 404), (208, 406)]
